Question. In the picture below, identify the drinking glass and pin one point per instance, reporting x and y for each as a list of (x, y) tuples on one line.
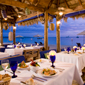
[(4, 64), (75, 49), (68, 49), (13, 66), (80, 47), (52, 58)]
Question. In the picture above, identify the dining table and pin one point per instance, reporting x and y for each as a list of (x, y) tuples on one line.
[(66, 73), (3, 54), (14, 51), (77, 58)]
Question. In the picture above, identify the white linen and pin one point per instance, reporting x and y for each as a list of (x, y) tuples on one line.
[(64, 78), (10, 46), (77, 59), (3, 54), (15, 51), (2, 47)]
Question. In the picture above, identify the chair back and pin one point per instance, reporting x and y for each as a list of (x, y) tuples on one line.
[(78, 44), (31, 54)]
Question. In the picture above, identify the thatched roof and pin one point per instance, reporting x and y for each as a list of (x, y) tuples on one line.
[(30, 8)]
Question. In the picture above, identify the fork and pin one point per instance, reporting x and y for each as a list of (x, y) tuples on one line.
[(37, 78), (24, 82)]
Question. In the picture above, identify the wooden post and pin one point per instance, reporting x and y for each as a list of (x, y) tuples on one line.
[(1, 32), (58, 34), (46, 32), (14, 36)]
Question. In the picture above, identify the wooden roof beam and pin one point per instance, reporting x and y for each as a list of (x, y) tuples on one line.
[(66, 3), (80, 2), (21, 5), (28, 16)]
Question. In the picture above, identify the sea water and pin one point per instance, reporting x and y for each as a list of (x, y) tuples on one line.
[(71, 41)]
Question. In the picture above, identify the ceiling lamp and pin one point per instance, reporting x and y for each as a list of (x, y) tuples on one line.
[(61, 10), (60, 13), (19, 16), (14, 27), (58, 22), (5, 18)]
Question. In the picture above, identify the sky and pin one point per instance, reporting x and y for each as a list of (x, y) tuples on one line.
[(71, 28)]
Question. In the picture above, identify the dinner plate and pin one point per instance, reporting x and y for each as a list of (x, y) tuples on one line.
[(27, 68), (40, 73), (42, 60)]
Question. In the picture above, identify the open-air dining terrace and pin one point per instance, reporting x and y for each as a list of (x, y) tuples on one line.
[(36, 63)]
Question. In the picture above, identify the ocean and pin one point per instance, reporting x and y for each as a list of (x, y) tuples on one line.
[(67, 41)]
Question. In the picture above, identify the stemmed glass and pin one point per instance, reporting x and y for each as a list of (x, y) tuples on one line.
[(4, 64), (75, 49), (68, 49), (13, 66), (52, 58)]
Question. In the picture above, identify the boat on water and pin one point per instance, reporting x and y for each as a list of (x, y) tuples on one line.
[(19, 36), (39, 38)]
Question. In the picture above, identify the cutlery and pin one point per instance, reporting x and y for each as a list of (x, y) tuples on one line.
[(24, 83), (39, 77)]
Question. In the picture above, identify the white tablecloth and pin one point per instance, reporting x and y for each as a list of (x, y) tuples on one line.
[(63, 78), (77, 59), (15, 51), (2, 47), (3, 54)]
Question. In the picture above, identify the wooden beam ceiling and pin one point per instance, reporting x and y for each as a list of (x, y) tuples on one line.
[(49, 5), (80, 2), (21, 5), (66, 3), (28, 16)]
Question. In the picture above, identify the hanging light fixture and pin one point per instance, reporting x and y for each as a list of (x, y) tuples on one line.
[(60, 13), (58, 22), (60, 9), (3, 12), (19, 16), (14, 27)]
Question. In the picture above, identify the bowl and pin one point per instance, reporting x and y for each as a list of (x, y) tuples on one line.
[(34, 68)]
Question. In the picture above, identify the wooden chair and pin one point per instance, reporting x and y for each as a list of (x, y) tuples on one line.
[(31, 54)]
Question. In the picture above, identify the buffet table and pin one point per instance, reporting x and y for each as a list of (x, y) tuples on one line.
[(15, 51), (65, 77), (76, 58)]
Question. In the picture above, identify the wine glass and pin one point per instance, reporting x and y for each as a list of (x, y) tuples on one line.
[(75, 49), (4, 64), (52, 58), (80, 47), (13, 66), (68, 49)]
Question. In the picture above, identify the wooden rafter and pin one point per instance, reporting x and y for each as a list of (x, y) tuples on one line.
[(21, 5), (49, 5), (66, 3), (28, 16), (80, 2), (57, 3)]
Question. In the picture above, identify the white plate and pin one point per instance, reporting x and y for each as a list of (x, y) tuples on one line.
[(40, 73), (42, 60)]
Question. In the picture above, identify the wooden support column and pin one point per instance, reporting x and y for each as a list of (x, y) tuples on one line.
[(58, 34), (14, 36), (1, 33), (46, 32)]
